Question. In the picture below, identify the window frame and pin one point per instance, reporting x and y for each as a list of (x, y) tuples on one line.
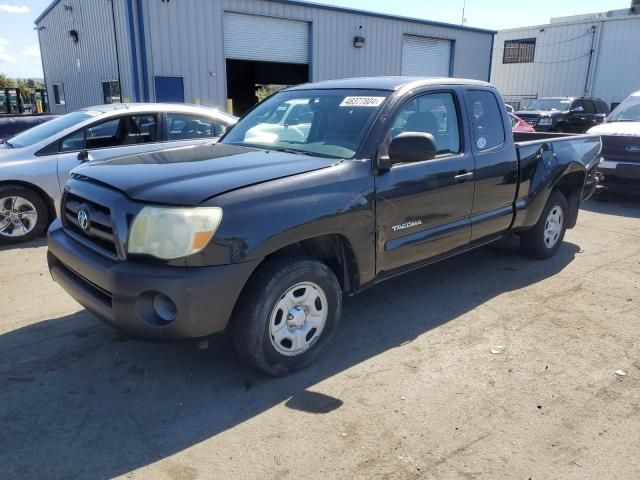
[(57, 98), (165, 124), (472, 127), (384, 149), (110, 82), (58, 142), (521, 50)]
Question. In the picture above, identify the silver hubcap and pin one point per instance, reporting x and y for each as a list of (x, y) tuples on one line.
[(553, 226), (18, 216), (298, 319)]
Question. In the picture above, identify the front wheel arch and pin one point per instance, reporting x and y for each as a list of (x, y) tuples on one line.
[(48, 201)]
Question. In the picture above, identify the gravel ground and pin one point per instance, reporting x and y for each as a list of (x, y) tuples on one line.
[(409, 388)]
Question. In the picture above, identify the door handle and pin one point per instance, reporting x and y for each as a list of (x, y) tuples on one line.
[(463, 176)]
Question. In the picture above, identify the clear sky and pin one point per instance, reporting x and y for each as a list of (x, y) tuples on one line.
[(19, 55)]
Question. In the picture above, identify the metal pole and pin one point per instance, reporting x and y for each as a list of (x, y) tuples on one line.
[(464, 6), (593, 40)]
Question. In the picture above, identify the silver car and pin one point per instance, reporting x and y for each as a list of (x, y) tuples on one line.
[(35, 164)]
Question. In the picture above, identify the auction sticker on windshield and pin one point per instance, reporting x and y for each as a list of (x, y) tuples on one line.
[(362, 101)]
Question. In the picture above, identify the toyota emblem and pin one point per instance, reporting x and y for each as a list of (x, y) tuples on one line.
[(83, 219)]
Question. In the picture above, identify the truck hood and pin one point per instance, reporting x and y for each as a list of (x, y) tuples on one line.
[(616, 128), (191, 175)]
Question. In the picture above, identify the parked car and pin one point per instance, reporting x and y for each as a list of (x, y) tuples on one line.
[(620, 165), (564, 114), (35, 164), (265, 238), (519, 125), (11, 125)]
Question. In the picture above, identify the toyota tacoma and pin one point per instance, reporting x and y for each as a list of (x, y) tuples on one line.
[(263, 233)]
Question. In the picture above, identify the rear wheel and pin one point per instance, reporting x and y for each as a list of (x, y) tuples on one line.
[(545, 238), (287, 313), (23, 215)]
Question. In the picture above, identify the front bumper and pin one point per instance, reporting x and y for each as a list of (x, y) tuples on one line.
[(122, 293), (623, 177)]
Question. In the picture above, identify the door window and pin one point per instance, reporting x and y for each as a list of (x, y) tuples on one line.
[(488, 126), (433, 113), (587, 106), (182, 126), (118, 132)]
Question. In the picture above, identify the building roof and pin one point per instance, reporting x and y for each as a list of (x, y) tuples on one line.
[(337, 9), (387, 83)]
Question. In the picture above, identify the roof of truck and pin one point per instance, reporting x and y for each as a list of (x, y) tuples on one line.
[(388, 83)]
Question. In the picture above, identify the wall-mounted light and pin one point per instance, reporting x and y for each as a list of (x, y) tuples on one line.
[(73, 34), (359, 40)]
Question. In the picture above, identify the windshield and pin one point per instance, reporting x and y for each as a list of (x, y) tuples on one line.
[(48, 129), (326, 123), (550, 105), (627, 111)]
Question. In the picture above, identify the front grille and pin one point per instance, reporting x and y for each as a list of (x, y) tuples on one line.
[(533, 121), (99, 231)]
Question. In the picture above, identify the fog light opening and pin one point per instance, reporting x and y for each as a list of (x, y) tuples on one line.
[(164, 307)]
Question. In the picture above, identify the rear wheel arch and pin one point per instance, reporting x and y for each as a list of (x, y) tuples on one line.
[(570, 185)]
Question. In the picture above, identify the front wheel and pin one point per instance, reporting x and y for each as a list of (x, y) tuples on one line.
[(23, 214), (545, 238), (288, 311)]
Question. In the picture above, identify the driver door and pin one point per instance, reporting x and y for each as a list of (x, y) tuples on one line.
[(115, 137)]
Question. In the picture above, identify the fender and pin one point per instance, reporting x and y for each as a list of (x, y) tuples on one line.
[(544, 167), (262, 219)]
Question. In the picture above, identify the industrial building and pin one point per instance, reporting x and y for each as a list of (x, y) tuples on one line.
[(215, 52), (595, 55)]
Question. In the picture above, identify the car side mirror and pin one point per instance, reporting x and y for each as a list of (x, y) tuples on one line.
[(577, 110), (83, 156), (409, 147)]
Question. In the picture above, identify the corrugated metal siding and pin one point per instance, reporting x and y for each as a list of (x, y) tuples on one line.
[(81, 67), (561, 60), (617, 68), (281, 40), (423, 56), (186, 39)]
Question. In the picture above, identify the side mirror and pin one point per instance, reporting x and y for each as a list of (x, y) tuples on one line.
[(83, 156), (409, 147), (577, 110)]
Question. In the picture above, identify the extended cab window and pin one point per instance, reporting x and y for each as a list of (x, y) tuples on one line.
[(486, 119), (118, 132), (184, 126), (433, 113)]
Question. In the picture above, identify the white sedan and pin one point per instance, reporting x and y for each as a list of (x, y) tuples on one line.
[(35, 164)]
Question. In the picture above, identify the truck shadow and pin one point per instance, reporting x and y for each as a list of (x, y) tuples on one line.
[(78, 401)]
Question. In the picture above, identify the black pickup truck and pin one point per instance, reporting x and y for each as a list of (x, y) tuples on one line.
[(265, 231)]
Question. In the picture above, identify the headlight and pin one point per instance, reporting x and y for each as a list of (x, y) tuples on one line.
[(168, 232), (545, 121)]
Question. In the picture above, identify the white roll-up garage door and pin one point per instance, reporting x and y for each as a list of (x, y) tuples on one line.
[(425, 57), (267, 39)]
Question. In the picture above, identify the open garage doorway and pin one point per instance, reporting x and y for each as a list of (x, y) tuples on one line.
[(246, 79)]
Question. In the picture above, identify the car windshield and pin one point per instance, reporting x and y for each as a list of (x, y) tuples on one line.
[(48, 129), (326, 123), (627, 111), (550, 105)]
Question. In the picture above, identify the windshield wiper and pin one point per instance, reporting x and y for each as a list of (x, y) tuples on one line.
[(292, 150), (8, 144)]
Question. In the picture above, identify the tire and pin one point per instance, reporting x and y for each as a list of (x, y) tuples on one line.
[(265, 329), (30, 212), (545, 238)]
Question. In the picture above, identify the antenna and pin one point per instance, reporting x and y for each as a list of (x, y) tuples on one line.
[(464, 6)]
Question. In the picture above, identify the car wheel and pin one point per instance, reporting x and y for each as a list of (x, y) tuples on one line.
[(287, 313), (23, 214), (545, 238)]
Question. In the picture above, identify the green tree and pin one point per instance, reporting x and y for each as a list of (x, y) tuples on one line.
[(6, 82)]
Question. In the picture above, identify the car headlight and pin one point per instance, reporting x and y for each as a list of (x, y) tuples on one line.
[(545, 121), (172, 232)]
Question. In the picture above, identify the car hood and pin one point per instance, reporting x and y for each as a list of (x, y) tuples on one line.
[(191, 175), (616, 128)]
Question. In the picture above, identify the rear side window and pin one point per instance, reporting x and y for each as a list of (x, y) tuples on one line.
[(488, 126), (184, 126), (601, 106)]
